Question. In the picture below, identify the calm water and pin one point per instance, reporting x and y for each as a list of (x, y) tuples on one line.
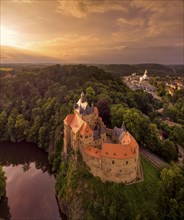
[(30, 191)]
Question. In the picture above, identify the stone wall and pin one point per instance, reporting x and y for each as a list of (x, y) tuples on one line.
[(86, 140), (91, 120), (115, 170), (119, 170), (67, 138)]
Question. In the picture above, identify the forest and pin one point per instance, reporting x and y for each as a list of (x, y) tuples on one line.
[(34, 103)]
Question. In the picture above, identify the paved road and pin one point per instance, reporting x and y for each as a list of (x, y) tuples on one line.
[(181, 151), (157, 161)]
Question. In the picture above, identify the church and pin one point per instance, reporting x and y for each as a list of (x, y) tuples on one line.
[(111, 154)]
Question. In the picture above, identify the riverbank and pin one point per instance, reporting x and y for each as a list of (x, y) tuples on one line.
[(2, 183)]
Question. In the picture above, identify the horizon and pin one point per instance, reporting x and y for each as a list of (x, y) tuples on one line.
[(56, 63), (92, 32)]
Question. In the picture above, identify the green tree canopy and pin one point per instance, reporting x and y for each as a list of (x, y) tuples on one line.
[(171, 199)]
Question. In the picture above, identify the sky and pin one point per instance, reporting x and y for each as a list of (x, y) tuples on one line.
[(90, 31)]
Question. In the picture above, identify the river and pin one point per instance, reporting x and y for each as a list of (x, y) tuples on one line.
[(30, 189)]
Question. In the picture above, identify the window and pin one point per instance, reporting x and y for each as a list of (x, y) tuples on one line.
[(112, 161), (120, 171), (126, 162)]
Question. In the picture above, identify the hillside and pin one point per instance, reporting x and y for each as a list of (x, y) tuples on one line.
[(153, 69), (75, 185)]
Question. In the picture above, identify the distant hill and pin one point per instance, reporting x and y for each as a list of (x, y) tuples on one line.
[(117, 69), (153, 69)]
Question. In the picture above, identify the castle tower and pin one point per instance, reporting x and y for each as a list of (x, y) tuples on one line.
[(67, 130)]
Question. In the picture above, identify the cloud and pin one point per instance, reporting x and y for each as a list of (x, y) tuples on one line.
[(24, 1), (97, 30), (81, 8), (15, 55)]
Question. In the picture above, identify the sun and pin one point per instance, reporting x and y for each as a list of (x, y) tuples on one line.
[(8, 37)]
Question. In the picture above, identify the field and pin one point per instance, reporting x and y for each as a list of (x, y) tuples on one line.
[(5, 69)]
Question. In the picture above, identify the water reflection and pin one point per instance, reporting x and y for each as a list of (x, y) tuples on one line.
[(30, 183), (4, 209), (23, 153)]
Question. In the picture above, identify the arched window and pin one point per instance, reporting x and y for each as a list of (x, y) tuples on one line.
[(112, 161)]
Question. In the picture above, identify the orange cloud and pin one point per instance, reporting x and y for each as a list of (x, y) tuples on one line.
[(82, 8), (96, 30)]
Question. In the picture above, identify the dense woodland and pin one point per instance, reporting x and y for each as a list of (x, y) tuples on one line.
[(34, 103)]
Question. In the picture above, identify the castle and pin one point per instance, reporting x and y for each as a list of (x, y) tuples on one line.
[(111, 154)]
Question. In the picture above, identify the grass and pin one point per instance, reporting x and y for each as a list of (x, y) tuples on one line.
[(143, 196), (5, 69)]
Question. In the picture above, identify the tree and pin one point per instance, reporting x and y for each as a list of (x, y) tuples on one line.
[(172, 113), (104, 111), (178, 135), (133, 120), (20, 128), (2, 183), (150, 138), (117, 115), (3, 122), (168, 150), (171, 201), (90, 94), (10, 128)]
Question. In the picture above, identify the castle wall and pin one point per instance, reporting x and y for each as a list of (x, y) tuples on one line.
[(115, 170), (86, 140), (98, 142), (119, 170), (75, 142), (94, 164), (67, 138), (90, 119)]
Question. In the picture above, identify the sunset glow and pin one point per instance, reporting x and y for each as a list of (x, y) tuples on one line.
[(8, 37), (94, 31)]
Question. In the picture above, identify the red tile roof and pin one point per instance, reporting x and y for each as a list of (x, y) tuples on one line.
[(118, 151), (126, 139), (85, 130), (92, 151), (76, 123), (68, 119)]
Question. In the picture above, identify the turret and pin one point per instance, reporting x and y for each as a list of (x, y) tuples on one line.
[(83, 98)]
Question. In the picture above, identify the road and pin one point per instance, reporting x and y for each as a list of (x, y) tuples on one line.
[(157, 161), (181, 151)]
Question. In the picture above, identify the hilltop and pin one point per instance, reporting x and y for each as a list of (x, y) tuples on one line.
[(153, 69)]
